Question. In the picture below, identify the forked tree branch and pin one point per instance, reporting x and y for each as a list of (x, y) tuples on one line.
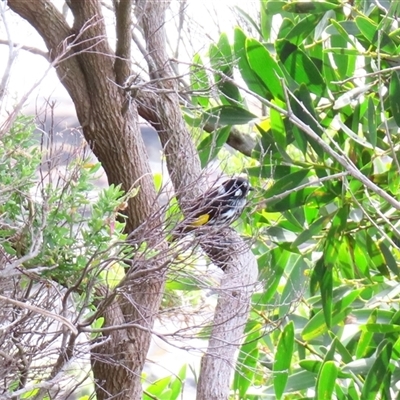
[(183, 165)]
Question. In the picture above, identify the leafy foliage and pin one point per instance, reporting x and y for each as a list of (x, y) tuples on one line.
[(327, 173), (51, 222)]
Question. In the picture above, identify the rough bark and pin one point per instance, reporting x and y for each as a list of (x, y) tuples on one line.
[(90, 74), (233, 255), (181, 156)]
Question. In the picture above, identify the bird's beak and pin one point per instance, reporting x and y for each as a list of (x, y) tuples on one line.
[(251, 188)]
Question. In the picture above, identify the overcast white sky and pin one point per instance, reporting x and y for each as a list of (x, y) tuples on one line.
[(29, 68)]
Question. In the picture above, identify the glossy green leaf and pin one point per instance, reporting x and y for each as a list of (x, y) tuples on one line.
[(394, 96), (300, 381), (326, 381), (367, 27), (308, 195), (301, 30), (390, 260), (279, 259), (314, 229), (222, 61), (252, 80), (341, 60), (303, 107), (372, 133), (199, 82), (361, 255), (312, 7), (317, 326), (380, 328), (342, 351), (376, 256), (295, 283), (210, 146), (178, 383), (363, 346), (303, 70), (158, 387), (247, 361), (326, 289), (271, 171), (228, 115), (283, 358), (311, 365), (274, 7), (288, 182), (345, 260), (376, 36), (377, 372), (277, 127), (265, 66), (345, 31)]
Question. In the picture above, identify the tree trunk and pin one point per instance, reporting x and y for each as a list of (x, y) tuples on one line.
[(234, 255), (88, 71)]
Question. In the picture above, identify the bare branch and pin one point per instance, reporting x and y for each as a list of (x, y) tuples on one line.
[(41, 311), (30, 49)]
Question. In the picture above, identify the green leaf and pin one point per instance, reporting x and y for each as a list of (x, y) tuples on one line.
[(210, 146), (376, 256), (311, 365), (267, 69), (288, 182), (377, 373), (157, 388), (394, 96), (177, 384), (326, 286), (380, 328), (371, 134), (390, 260), (295, 283), (252, 80), (299, 381), (310, 7), (314, 229), (277, 126), (344, 31), (272, 171), (227, 115), (247, 362), (367, 27), (376, 36), (283, 358), (199, 82), (301, 30), (317, 326), (363, 346), (303, 70), (326, 381), (345, 259), (221, 60), (309, 195), (304, 109), (279, 259)]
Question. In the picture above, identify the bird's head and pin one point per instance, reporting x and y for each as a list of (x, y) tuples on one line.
[(237, 187)]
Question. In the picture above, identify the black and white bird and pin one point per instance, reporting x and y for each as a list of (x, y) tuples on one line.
[(217, 207)]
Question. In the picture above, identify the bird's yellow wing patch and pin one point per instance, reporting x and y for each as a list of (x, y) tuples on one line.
[(202, 220)]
